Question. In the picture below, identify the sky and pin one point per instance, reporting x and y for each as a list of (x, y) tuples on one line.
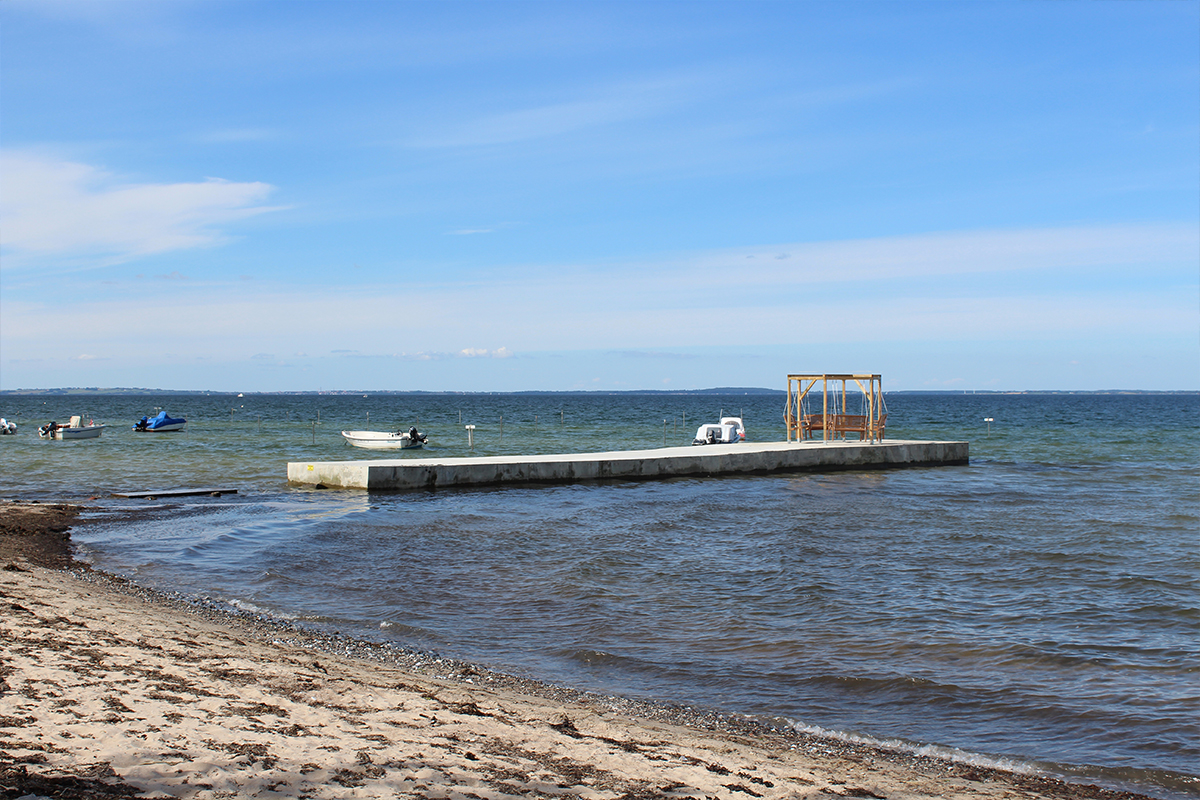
[(510, 196)]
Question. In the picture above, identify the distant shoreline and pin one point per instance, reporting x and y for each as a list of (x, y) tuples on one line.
[(723, 391)]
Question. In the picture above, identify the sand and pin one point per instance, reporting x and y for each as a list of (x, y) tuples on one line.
[(108, 690)]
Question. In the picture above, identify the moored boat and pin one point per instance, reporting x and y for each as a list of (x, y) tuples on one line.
[(727, 431), (381, 440), (159, 423), (75, 429)]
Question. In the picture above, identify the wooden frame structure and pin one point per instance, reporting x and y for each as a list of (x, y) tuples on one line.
[(834, 419)]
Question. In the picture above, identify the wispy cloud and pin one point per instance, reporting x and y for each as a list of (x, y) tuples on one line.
[(57, 208), (958, 253), (654, 355), (467, 352), (237, 135), (605, 106)]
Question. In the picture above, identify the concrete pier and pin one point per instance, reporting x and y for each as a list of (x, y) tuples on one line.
[(666, 462)]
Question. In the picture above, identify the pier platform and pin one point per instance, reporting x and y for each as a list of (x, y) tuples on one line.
[(667, 462)]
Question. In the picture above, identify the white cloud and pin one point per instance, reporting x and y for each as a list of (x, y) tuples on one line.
[(56, 208), (475, 352), (657, 307)]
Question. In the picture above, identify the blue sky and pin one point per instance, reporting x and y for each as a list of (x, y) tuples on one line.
[(461, 196)]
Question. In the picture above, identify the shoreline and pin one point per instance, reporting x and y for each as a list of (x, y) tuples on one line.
[(114, 690)]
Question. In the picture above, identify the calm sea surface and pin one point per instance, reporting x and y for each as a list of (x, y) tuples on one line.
[(1040, 607)]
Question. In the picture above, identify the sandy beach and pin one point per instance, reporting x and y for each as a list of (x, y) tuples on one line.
[(109, 690)]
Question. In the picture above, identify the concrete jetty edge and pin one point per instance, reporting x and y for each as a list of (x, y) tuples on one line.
[(667, 462)]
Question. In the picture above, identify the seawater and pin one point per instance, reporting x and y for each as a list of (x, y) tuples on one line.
[(1036, 608)]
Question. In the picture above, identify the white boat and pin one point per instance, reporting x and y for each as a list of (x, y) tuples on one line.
[(75, 429), (381, 440), (728, 431)]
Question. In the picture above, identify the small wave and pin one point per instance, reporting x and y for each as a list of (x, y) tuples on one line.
[(930, 750), (273, 576), (1158, 783), (399, 629), (596, 658), (253, 608)]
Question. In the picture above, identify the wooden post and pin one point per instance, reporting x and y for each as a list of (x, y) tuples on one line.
[(825, 410), (787, 412)]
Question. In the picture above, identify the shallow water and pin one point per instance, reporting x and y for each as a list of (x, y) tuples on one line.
[(1037, 607)]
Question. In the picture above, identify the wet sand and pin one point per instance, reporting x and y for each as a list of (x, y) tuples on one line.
[(109, 690)]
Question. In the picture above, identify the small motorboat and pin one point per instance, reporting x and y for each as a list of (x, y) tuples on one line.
[(160, 423), (7, 428), (75, 429), (728, 431), (381, 440)]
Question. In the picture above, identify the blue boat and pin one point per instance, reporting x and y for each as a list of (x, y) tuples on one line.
[(159, 424)]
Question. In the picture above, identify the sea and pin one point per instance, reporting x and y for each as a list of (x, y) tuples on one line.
[(1037, 609)]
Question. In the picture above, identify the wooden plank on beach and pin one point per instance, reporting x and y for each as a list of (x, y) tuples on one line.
[(153, 495)]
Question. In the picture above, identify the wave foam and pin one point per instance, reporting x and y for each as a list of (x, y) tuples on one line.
[(929, 750)]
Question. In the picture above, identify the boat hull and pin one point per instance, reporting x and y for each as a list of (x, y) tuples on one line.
[(174, 426), (160, 423), (378, 440), (728, 431), (87, 432)]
